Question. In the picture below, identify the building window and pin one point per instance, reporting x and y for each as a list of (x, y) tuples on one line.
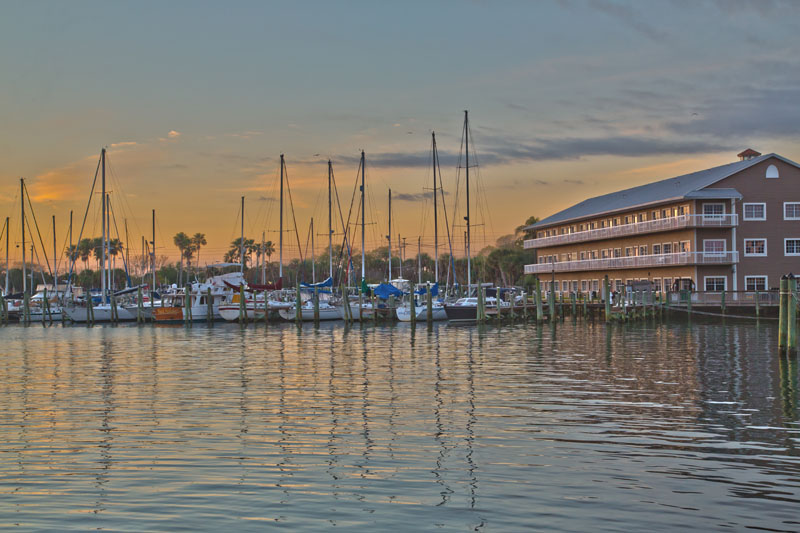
[(564, 286), (681, 210), (715, 283), (713, 210), (584, 285), (592, 225), (594, 254), (791, 246), (575, 286), (772, 171), (755, 211), (641, 217), (618, 285), (657, 284), (663, 213), (791, 210), (755, 247), (617, 252), (583, 256), (628, 251), (667, 284), (684, 246), (542, 260), (755, 283), (714, 246), (654, 215), (604, 254), (643, 250), (595, 284), (656, 249), (667, 247)]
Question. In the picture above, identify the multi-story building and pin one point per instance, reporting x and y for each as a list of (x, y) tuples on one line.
[(735, 227)]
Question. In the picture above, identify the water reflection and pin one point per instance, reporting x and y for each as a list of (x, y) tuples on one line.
[(512, 428)]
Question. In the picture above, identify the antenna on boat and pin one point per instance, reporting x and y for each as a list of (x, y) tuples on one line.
[(466, 154), (103, 287), (389, 236), (435, 212), (330, 224)]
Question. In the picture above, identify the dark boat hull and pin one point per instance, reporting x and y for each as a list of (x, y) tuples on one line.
[(461, 313)]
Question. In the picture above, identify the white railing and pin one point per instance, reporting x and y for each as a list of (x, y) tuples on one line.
[(637, 261), (637, 228)]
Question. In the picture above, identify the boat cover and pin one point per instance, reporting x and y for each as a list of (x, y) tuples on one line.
[(384, 290), (424, 290)]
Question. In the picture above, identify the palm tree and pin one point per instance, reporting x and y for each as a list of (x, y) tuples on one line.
[(198, 241), (233, 255), (72, 253), (182, 241), (114, 248), (85, 250), (97, 250)]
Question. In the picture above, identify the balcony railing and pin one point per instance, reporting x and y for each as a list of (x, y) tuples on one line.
[(637, 261), (638, 228)]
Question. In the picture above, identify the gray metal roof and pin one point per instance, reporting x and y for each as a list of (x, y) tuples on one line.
[(677, 188)]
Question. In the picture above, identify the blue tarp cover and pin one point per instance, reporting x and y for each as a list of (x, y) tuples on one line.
[(327, 283), (424, 290), (384, 290)]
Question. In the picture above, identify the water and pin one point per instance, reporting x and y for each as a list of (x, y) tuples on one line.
[(576, 428)]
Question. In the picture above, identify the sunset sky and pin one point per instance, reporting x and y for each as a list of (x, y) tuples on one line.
[(195, 101)]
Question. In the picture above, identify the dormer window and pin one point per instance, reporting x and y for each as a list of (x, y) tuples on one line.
[(772, 171)]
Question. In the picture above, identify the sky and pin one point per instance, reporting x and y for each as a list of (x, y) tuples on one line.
[(195, 101)]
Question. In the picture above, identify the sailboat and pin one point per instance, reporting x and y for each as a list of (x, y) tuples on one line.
[(364, 310), (103, 312), (404, 312)]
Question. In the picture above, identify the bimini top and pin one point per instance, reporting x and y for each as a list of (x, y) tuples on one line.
[(681, 187)]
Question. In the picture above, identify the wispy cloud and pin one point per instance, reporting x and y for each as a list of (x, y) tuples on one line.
[(173, 134), (413, 197), (630, 17)]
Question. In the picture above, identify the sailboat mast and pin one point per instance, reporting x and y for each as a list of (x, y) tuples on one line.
[(435, 215), (419, 260), (313, 258), (363, 212), (330, 224), (153, 259), (22, 209), (241, 242), (280, 229), (466, 153), (389, 236), (55, 262), (8, 229), (263, 258), (401, 253), (109, 283), (103, 236)]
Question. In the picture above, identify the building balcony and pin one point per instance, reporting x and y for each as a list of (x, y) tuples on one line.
[(638, 228), (637, 261)]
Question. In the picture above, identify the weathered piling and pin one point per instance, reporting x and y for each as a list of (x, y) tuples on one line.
[(480, 315), (585, 305), (551, 303), (429, 305), (360, 305), (26, 309), (316, 307), (607, 299), (374, 308), (209, 307), (114, 309), (89, 312), (539, 307), (242, 306), (525, 304), (3, 311), (758, 305), (783, 315), (139, 308), (412, 307), (791, 313), (722, 302), (574, 301), (298, 306), (187, 305)]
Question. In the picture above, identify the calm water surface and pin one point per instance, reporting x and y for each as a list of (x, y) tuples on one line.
[(576, 428)]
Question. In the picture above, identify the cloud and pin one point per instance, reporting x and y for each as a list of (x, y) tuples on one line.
[(502, 150), (123, 144), (574, 182), (265, 199), (173, 134), (413, 197), (629, 17)]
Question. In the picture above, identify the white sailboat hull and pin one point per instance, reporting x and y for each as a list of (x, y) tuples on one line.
[(404, 313), (102, 313)]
